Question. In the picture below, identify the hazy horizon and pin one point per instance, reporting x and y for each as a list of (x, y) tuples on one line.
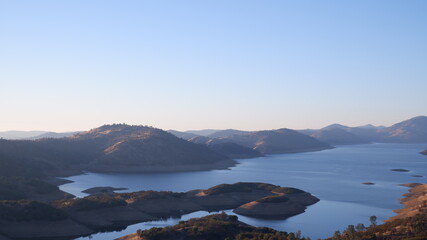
[(183, 130), (250, 65)]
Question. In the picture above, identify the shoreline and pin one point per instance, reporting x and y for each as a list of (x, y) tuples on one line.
[(220, 165)]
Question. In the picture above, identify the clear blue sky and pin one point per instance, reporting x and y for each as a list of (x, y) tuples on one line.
[(75, 65)]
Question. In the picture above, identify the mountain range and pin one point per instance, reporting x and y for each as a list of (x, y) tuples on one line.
[(125, 148), (413, 130), (33, 135), (245, 144)]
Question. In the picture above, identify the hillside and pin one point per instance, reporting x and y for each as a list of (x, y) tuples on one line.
[(21, 188), (118, 148), (183, 135), (277, 141), (410, 223), (337, 136), (52, 135), (213, 227), (203, 132), (413, 130), (226, 133), (229, 149)]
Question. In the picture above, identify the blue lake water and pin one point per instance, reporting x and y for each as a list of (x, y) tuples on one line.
[(334, 176)]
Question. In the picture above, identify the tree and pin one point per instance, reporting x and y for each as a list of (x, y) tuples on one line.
[(373, 220), (360, 227), (350, 233), (337, 235), (298, 234)]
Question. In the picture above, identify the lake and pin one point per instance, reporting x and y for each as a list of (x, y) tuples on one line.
[(334, 176)]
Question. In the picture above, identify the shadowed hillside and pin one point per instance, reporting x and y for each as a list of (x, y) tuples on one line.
[(277, 141), (337, 136), (119, 148), (212, 227), (229, 149)]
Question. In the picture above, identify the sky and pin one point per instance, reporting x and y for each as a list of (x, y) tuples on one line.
[(191, 64)]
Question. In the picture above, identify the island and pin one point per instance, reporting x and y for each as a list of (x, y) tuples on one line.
[(368, 183), (212, 227), (424, 152), (399, 170), (102, 190), (74, 217)]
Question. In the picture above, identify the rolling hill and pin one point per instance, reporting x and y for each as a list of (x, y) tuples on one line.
[(110, 148), (277, 141), (413, 130)]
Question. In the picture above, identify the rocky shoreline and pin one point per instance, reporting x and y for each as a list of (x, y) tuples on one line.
[(413, 202)]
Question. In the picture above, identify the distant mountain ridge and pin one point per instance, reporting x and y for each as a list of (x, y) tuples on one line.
[(277, 141), (337, 136), (20, 134), (226, 133), (246, 144), (33, 135), (413, 130), (52, 135)]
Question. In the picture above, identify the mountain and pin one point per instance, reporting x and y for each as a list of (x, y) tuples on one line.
[(110, 148), (203, 132), (52, 135), (370, 126), (413, 130), (20, 134), (337, 136), (367, 134), (200, 140), (335, 125), (229, 149), (226, 133), (277, 141), (341, 135), (183, 135)]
